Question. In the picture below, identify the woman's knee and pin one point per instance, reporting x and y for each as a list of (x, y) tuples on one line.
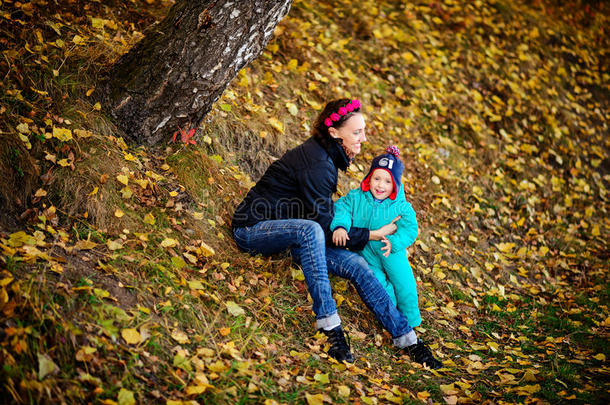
[(360, 269), (312, 231)]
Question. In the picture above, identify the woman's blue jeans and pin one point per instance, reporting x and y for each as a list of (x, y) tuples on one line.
[(306, 241)]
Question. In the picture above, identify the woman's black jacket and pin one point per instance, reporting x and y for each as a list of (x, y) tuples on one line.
[(300, 185)]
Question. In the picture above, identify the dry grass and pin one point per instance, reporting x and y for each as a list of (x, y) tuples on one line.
[(19, 177)]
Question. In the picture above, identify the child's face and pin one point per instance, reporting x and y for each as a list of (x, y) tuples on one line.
[(381, 184)]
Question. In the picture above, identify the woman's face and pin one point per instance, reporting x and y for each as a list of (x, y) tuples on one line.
[(351, 132)]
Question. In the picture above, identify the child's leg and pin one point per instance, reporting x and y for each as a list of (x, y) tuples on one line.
[(400, 275), (376, 266)]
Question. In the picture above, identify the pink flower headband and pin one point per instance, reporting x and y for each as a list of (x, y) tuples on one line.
[(343, 111)]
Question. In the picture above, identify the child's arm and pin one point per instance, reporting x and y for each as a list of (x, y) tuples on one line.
[(407, 229), (343, 213)]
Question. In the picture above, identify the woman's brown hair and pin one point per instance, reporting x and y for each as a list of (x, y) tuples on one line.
[(320, 130)]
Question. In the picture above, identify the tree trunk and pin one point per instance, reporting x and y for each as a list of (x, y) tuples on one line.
[(174, 75)]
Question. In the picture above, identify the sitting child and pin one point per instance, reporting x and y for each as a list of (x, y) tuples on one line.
[(379, 200)]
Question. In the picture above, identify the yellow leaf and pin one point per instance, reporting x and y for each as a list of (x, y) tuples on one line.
[(84, 245), (90, 91), (205, 352), (317, 399), (126, 397), (495, 307), (118, 213), (292, 108), (196, 389), (293, 64), (321, 378), (63, 134), (234, 309), (493, 346), (529, 376), (94, 191), (275, 123), (149, 219), (600, 357), (343, 391), (192, 259), (408, 57), (40, 193), (528, 389), (24, 128), (169, 242), (195, 285), (505, 247), (97, 106), (595, 230), (122, 179), (449, 389), (142, 182), (114, 244), (126, 192), (129, 157), (297, 274), (206, 250), (423, 395), (131, 336), (46, 366), (180, 336)]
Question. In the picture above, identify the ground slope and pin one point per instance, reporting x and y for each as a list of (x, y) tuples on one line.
[(120, 282)]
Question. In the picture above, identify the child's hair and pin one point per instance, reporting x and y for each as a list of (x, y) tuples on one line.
[(320, 127)]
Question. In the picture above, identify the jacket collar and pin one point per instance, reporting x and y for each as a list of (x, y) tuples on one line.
[(336, 153)]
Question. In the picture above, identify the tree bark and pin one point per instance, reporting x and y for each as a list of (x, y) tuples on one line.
[(173, 76)]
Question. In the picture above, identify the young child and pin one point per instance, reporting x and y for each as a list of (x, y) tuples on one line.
[(380, 200)]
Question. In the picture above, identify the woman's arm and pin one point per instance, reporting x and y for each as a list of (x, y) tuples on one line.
[(384, 231)]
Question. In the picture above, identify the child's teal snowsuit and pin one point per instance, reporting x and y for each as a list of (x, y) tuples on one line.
[(359, 209)]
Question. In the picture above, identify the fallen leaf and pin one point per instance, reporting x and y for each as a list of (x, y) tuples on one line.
[(46, 366), (234, 309), (131, 336), (169, 242), (180, 336), (317, 399), (126, 397)]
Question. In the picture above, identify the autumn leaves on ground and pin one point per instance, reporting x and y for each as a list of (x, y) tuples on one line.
[(119, 279)]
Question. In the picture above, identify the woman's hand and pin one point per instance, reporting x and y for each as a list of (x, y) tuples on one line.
[(340, 237), (387, 248), (381, 233)]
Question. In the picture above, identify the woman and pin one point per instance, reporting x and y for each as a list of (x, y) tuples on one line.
[(291, 207)]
